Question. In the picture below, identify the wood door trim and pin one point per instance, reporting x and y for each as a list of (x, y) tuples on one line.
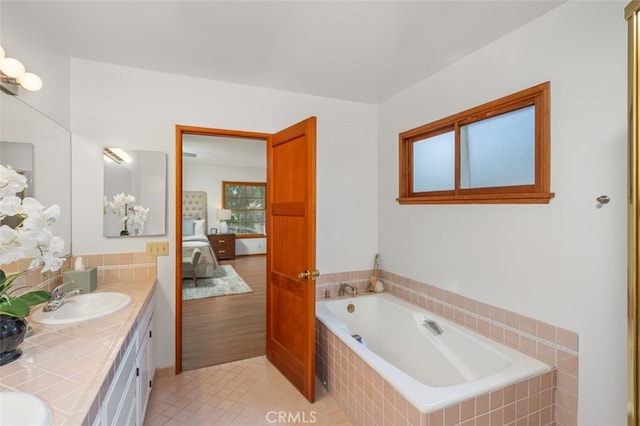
[(203, 131)]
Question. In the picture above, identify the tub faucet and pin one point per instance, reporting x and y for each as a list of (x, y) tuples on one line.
[(343, 288), (58, 295)]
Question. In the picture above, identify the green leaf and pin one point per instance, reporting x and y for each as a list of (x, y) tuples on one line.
[(4, 285), (14, 307), (35, 297)]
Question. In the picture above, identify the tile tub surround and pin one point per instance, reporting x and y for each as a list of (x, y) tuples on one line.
[(71, 366), (553, 345), (367, 398)]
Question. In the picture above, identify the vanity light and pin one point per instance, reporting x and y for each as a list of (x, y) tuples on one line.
[(116, 155), (30, 81), (12, 68), (122, 154), (13, 74)]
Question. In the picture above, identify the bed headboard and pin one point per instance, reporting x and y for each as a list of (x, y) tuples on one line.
[(194, 204)]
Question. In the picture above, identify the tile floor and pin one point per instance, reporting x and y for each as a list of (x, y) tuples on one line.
[(247, 392)]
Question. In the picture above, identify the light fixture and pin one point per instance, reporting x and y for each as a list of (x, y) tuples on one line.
[(116, 155), (223, 216), (13, 75)]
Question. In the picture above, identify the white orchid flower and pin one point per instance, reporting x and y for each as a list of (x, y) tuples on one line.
[(11, 182), (10, 206), (32, 237)]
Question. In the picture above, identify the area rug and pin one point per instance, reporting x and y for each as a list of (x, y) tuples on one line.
[(225, 281)]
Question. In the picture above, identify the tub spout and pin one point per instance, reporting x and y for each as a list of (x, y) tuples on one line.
[(433, 326), (343, 288)]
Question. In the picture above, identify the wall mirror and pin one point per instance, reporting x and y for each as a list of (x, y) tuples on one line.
[(135, 186), (39, 148)]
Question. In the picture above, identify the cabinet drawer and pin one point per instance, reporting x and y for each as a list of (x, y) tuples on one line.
[(224, 245), (221, 241)]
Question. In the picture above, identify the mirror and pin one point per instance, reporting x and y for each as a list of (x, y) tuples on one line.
[(134, 202), (39, 148)]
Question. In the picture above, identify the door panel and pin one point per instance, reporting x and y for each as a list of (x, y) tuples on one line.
[(291, 198)]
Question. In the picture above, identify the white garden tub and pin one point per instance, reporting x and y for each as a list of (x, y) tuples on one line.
[(430, 370)]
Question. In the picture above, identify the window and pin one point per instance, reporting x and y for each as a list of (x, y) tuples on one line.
[(498, 152), (247, 201)]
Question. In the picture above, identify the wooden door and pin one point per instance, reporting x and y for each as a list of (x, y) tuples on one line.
[(291, 227)]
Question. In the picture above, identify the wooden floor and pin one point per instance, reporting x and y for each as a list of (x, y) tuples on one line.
[(219, 330)]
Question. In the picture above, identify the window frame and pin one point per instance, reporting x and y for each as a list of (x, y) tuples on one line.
[(224, 203), (536, 193)]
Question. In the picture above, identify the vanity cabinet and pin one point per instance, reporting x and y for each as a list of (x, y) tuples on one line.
[(145, 364), (224, 245), (125, 402)]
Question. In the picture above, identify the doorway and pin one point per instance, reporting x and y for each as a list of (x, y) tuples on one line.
[(290, 218), (217, 330)]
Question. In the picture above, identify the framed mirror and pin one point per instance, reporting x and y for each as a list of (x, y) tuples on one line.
[(135, 187), (40, 149)]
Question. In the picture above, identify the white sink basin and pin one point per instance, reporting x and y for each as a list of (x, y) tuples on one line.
[(83, 307), (17, 408)]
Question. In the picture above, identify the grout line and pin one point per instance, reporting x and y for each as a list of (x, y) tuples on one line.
[(128, 266)]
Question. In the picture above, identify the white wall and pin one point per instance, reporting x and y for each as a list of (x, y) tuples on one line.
[(208, 178), (562, 263), (137, 109)]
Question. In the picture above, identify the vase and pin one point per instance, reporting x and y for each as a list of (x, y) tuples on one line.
[(12, 331)]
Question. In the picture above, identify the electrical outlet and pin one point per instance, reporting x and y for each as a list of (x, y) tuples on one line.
[(158, 249)]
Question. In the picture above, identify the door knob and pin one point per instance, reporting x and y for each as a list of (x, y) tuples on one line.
[(304, 275)]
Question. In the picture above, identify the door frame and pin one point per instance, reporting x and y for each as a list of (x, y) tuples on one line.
[(631, 12), (203, 131)]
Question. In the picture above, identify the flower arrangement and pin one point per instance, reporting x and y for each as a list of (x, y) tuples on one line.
[(133, 216), (31, 237)]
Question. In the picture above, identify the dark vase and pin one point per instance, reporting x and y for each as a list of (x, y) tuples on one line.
[(12, 331)]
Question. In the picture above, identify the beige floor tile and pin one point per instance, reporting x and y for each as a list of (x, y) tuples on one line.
[(247, 392)]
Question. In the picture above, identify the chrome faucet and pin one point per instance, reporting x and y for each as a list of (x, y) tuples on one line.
[(58, 295), (343, 288)]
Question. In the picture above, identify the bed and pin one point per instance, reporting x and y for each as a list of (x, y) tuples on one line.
[(194, 235)]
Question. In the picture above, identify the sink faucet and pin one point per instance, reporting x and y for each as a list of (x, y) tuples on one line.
[(343, 288), (58, 295)]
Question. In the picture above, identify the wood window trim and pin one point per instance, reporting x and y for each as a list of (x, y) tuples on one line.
[(224, 203), (537, 193)]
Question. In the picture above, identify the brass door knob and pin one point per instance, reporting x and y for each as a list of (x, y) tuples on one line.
[(304, 275)]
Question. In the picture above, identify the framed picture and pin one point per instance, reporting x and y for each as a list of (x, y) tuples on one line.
[(213, 231)]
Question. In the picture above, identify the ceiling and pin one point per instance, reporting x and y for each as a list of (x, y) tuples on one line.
[(363, 51), (224, 151)]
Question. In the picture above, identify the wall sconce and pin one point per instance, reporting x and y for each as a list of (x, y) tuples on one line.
[(223, 216), (13, 74)]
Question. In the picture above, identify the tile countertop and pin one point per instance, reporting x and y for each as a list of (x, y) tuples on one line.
[(69, 366)]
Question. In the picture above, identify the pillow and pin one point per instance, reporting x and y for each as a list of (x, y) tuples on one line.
[(198, 227), (187, 226)]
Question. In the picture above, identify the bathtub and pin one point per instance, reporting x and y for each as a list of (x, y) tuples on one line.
[(402, 343)]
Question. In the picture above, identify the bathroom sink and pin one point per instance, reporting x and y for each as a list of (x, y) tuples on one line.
[(83, 307), (17, 408)]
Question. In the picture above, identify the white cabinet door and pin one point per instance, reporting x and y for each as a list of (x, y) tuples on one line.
[(146, 362), (123, 383), (144, 380)]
